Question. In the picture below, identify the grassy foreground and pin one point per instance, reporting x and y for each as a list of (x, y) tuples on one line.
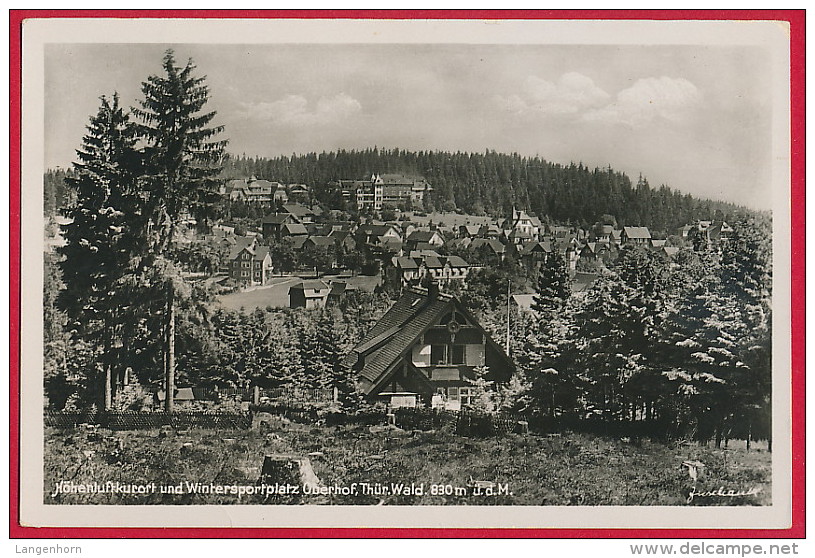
[(441, 468)]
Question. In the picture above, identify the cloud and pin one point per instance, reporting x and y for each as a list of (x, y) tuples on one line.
[(293, 110), (570, 94), (649, 99)]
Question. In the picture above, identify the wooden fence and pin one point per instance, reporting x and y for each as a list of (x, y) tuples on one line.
[(137, 420), (255, 395), (466, 423)]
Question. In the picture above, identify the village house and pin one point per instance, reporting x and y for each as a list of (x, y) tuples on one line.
[(492, 231), (298, 192), (371, 233), (250, 263), (428, 238), (426, 344), (533, 253), (490, 245), (280, 195), (523, 227), (293, 229), (409, 270), (602, 233), (300, 212), (458, 244), (315, 293), (596, 254), (344, 240), (712, 231), (638, 236), (253, 191), (272, 225)]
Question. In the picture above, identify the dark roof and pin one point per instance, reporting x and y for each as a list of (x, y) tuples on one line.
[(374, 230), (321, 240), (493, 243), (408, 318), (298, 210), (261, 252), (297, 241), (421, 236), (242, 243), (295, 228), (456, 243), (637, 232), (310, 285), (532, 247), (471, 230), (339, 235), (277, 218), (404, 262), (393, 335)]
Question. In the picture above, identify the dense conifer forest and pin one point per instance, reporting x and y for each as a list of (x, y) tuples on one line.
[(492, 183)]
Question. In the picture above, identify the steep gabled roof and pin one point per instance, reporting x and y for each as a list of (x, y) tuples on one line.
[(297, 241), (399, 329), (422, 236), (637, 232), (457, 261), (278, 218), (260, 253), (532, 247), (494, 244), (242, 243), (404, 262), (406, 320), (295, 229), (321, 241), (298, 210)]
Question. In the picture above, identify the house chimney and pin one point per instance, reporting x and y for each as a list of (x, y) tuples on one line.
[(433, 289)]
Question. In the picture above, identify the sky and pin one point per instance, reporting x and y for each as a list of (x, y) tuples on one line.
[(696, 118)]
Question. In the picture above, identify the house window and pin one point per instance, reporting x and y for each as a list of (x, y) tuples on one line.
[(452, 393), (457, 354), (443, 354), (438, 354), (466, 395)]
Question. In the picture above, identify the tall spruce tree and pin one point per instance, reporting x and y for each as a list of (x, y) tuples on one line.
[(102, 241), (182, 162), (553, 284)]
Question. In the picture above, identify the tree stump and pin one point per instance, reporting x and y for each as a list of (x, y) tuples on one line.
[(288, 469)]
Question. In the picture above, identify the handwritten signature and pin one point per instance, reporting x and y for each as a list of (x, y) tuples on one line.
[(721, 492)]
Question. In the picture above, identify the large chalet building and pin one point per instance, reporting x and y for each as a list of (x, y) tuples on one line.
[(426, 345), (249, 262), (384, 190)]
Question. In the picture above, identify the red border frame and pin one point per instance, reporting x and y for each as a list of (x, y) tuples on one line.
[(797, 21)]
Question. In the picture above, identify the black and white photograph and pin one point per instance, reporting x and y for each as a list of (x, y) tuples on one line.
[(406, 273)]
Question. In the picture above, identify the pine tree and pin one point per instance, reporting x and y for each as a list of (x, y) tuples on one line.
[(553, 284), (182, 162), (103, 238)]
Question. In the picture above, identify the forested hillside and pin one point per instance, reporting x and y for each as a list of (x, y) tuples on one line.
[(492, 183)]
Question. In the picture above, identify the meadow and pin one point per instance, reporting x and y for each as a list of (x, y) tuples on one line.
[(441, 467)]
